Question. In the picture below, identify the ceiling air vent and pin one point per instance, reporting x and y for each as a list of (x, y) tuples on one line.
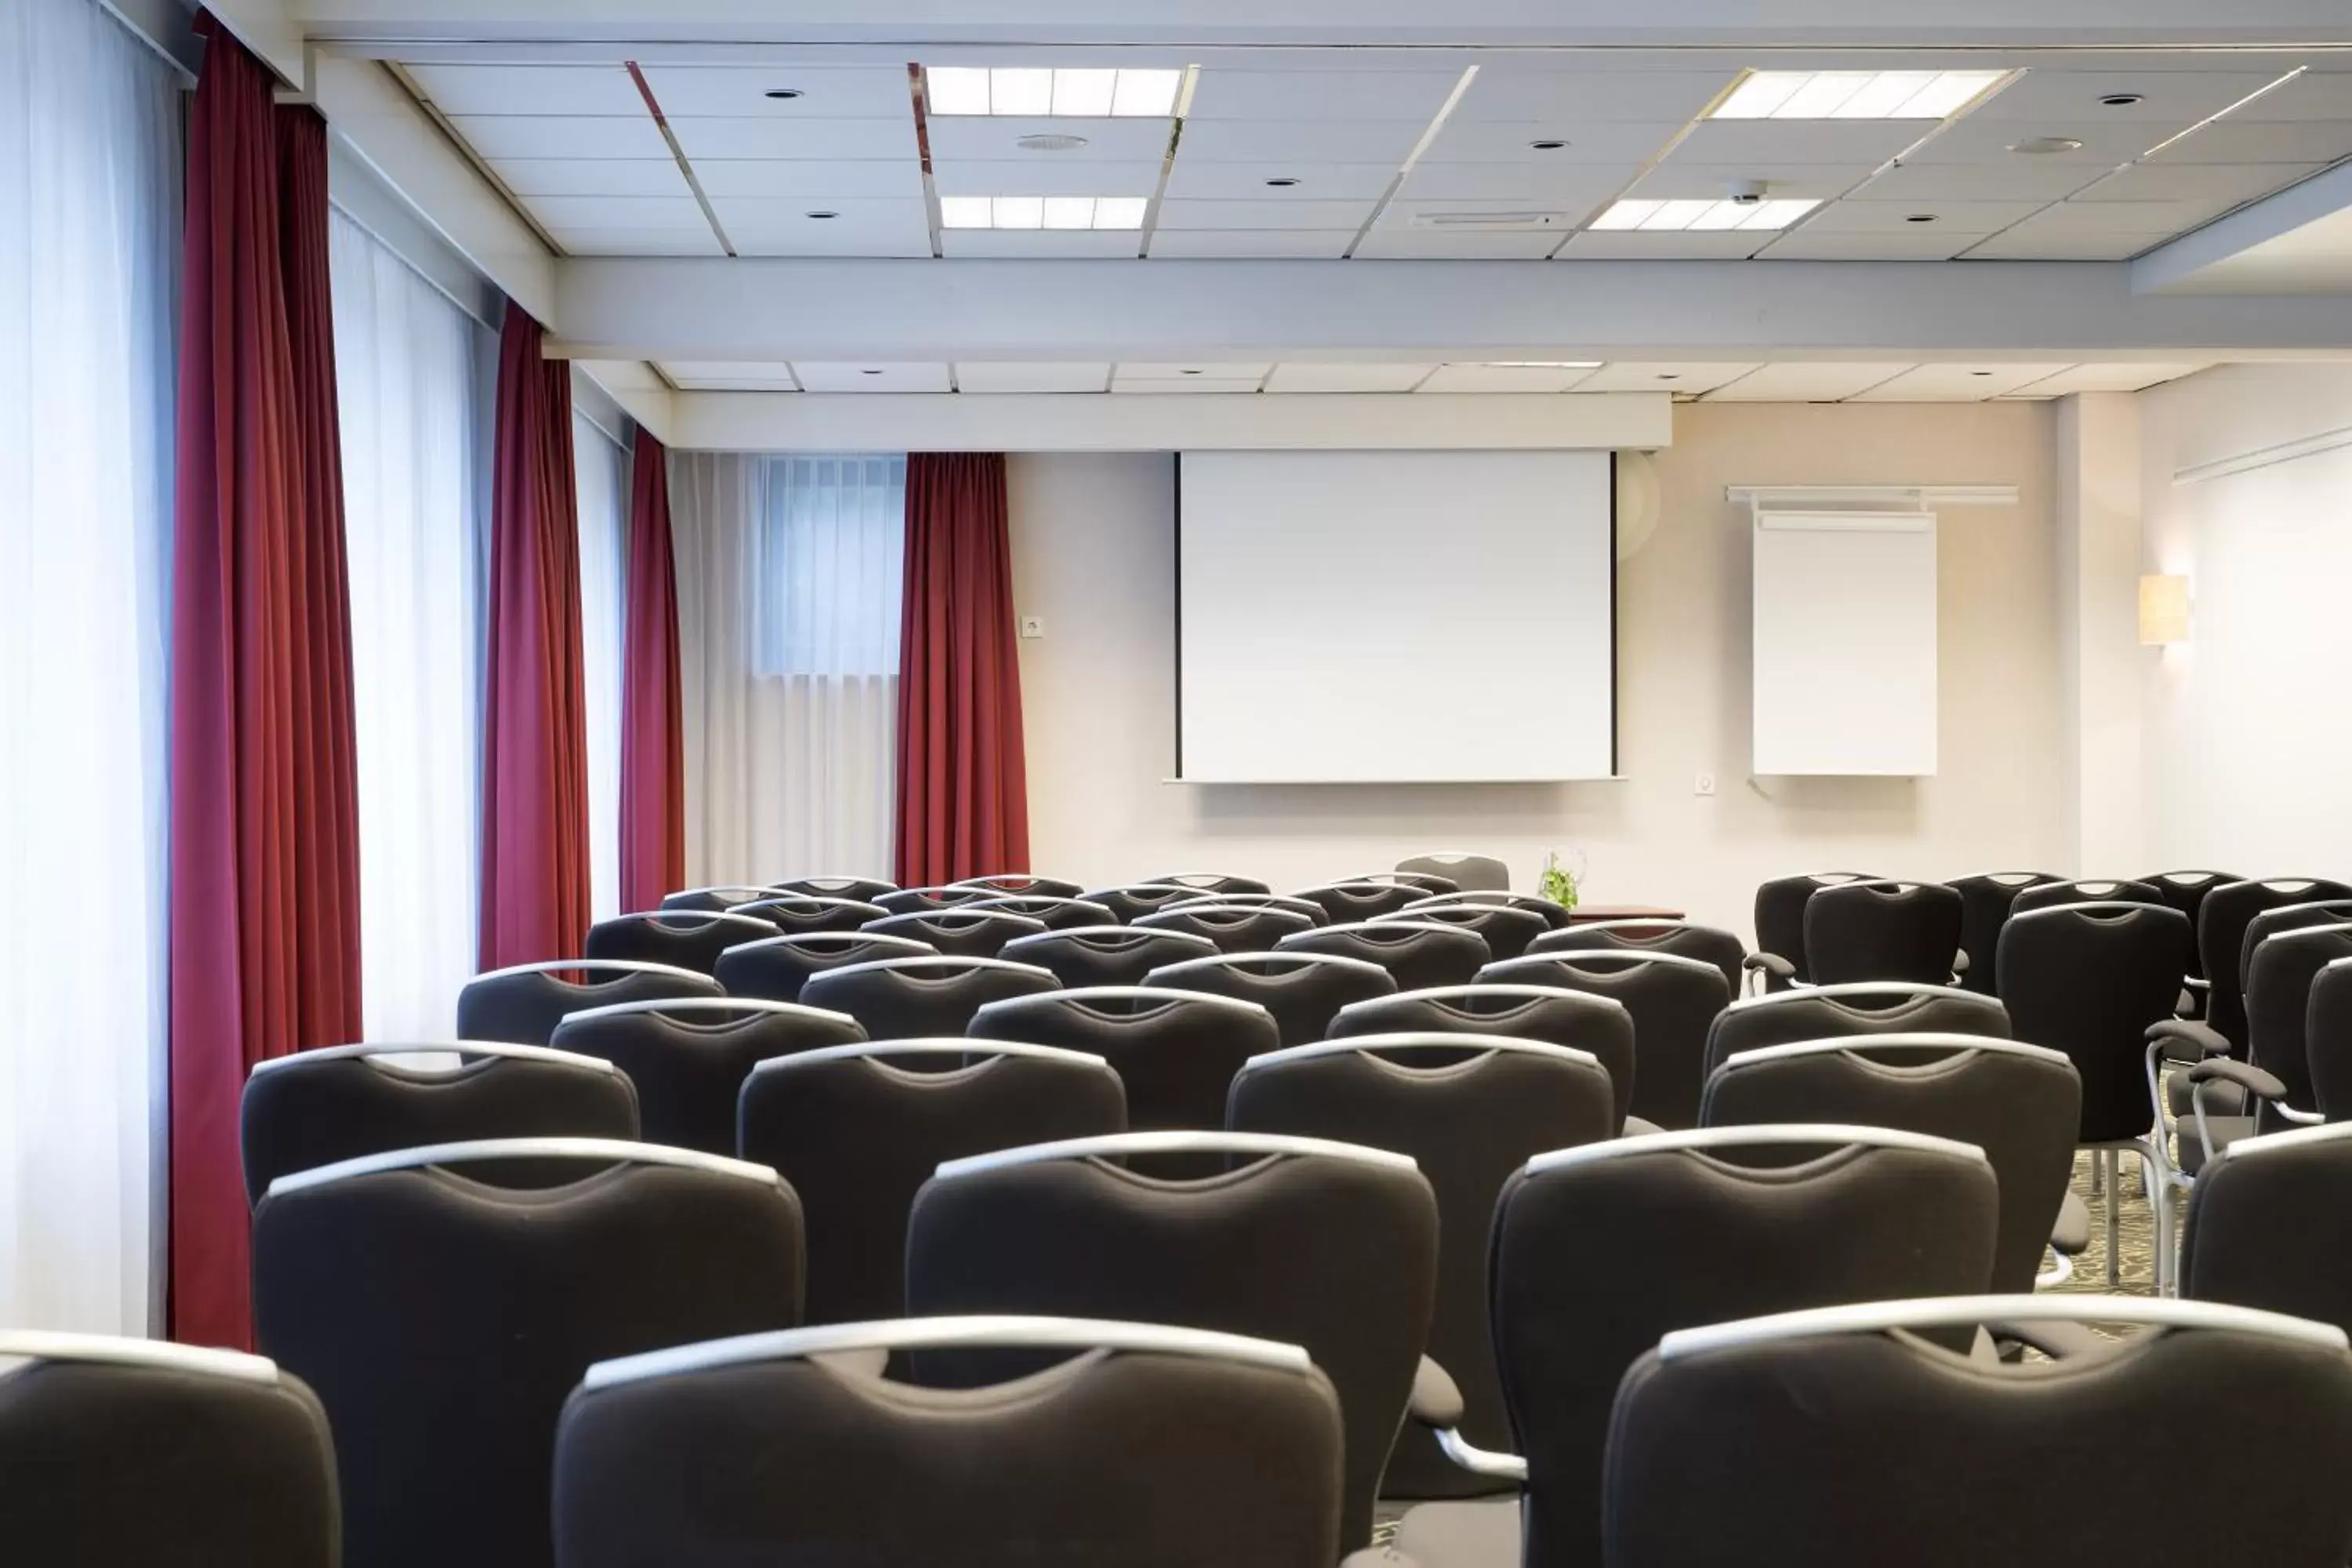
[(1493, 222), (1050, 142)]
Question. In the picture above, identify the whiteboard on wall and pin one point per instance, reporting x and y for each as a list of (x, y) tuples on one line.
[(1845, 642), (1395, 616)]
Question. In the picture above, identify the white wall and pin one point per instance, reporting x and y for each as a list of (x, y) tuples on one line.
[(1094, 555)]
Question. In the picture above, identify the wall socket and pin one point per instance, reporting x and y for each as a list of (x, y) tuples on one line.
[(1033, 626), (1702, 785)]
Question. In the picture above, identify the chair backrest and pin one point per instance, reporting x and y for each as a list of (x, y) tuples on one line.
[(1326, 1246), (1470, 873), (718, 900), (1507, 932), (690, 938), (1985, 902), (968, 932), (1176, 1051), (2270, 1225), (1833, 1012), (2279, 982), (919, 998), (443, 1320), (866, 889), (1680, 939), (1133, 901), (2285, 918), (1578, 1020), (1242, 1468), (131, 1453), (802, 914), (857, 1129), (2088, 979), (1881, 931), (1021, 884), (2221, 939), (1427, 881), (2185, 891), (1303, 991), (1315, 913), (2021, 1104), (1054, 912), (1234, 927), (317, 1107), (1107, 954), (1673, 1002), (1470, 1109), (774, 969), (1417, 954), (1211, 882), (1552, 915), (1349, 902), (689, 1059), (931, 901), (523, 1003), (1600, 1250), (2059, 893), (1781, 916), (1843, 1439), (2327, 1041)]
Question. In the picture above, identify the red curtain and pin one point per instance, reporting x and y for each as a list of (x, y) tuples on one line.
[(964, 799), (534, 894), (264, 891), (653, 751)]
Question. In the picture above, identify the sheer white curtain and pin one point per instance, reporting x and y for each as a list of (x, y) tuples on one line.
[(405, 360), (789, 586), (89, 237), (603, 469)]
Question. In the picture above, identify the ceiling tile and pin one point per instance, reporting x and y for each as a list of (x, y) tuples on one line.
[(1675, 180), (2195, 182), (2314, 95), (1890, 217), (827, 92), (1805, 383), (1234, 245), (1974, 141), (1776, 142), (1402, 244), (2170, 100), (499, 137), (740, 136), (723, 377), (879, 376), (1202, 180), (636, 242), (2255, 142), (1690, 377), (2106, 378), (980, 137), (2081, 216), (1629, 143), (1043, 244), (530, 90), (1572, 99), (680, 212), (1956, 383), (1037, 377), (1348, 215), (1183, 388), (864, 228), (1313, 376), (2016, 180), (1415, 95), (592, 176), (1037, 177), (1625, 244), (2026, 243), (1301, 141), (800, 179), (1930, 242), (1504, 378), (1194, 370), (1576, 187)]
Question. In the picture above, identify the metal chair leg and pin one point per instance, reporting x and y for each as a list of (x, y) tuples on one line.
[(2109, 1171)]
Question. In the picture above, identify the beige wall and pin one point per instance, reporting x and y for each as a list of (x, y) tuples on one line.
[(1094, 555)]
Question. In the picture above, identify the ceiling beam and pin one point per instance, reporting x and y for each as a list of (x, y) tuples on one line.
[(2299, 240)]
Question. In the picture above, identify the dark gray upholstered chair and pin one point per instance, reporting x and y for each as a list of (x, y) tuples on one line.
[(1303, 991), (1681, 938), (1882, 931), (443, 1320), (2185, 891), (1349, 903), (931, 901), (1429, 882), (865, 889), (1107, 954), (2019, 1104), (1470, 1109), (1837, 1440), (137, 1454), (1781, 925), (523, 1003), (857, 1129), (1507, 932), (1419, 954), (1327, 1246), (1315, 913), (2327, 1041), (1578, 1020), (2220, 947), (317, 1107), (1148, 1448), (775, 968), (690, 938), (805, 914), (1176, 1051), (1470, 873), (1133, 900), (968, 932), (1234, 927), (1021, 884), (1052, 911), (919, 998), (2267, 1226), (2060, 893), (716, 899), (1832, 1012), (1985, 902), (1217, 883), (1674, 1003), (1552, 915), (689, 1059)]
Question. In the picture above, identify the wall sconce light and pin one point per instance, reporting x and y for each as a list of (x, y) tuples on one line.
[(2163, 610)]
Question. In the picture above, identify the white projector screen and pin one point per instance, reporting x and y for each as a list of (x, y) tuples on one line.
[(1395, 617)]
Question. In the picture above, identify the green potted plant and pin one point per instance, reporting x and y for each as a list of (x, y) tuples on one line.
[(1559, 884)]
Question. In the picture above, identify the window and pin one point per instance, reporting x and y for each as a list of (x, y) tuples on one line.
[(834, 529), (601, 465)]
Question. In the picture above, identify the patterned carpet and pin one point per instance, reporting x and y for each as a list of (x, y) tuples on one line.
[(2136, 1242)]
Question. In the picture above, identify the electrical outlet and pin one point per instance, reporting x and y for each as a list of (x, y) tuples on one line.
[(1033, 626), (1704, 785)]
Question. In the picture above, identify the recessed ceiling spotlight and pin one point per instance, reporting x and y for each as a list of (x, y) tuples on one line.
[(2120, 100), (822, 214), (869, 373), (2042, 146), (1549, 144), (783, 94), (1670, 376), (1979, 372), (1282, 182), (1049, 141), (1920, 217), (1191, 373)]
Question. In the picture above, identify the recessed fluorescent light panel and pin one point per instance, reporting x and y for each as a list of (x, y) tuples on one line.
[(1541, 364), (1067, 213), (1663, 217), (1039, 93), (1854, 95)]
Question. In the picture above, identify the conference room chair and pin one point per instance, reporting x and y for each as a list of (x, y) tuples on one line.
[(1107, 954), (2019, 1104), (1417, 954), (1835, 1012), (776, 968), (2090, 980), (1021, 885), (718, 900), (1507, 932), (1600, 1250), (1346, 903), (862, 890), (122, 1453), (1429, 882), (1672, 1003), (1470, 873), (1303, 990), (2225, 1097), (1578, 1020), (689, 1060), (522, 1004), (1176, 1051), (1217, 883), (2327, 1041), (1132, 902), (443, 1320), (1781, 904), (1552, 915), (1150, 1447), (1470, 1109), (2185, 890), (1315, 913), (921, 998), (856, 1129), (1677, 939), (2220, 945), (931, 901), (1985, 902), (2266, 1226), (802, 914), (1330, 1246), (688, 939), (1882, 931), (1054, 911), (1234, 927), (338, 1102), (1841, 1438), (959, 934), (2060, 893)]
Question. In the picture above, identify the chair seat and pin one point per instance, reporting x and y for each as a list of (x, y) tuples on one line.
[(2225, 1130), (2071, 1235)]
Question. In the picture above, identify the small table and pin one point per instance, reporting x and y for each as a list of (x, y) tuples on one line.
[(1591, 914)]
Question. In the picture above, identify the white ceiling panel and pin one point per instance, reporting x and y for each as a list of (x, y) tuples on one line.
[(2105, 145), (2026, 243), (827, 92), (1036, 176), (2105, 378), (1307, 377), (680, 212), (1225, 94), (864, 228), (2016, 180), (1691, 378), (736, 136), (1396, 243), (727, 376), (882, 377), (1778, 141), (1040, 243), (1577, 187), (1526, 378), (1956, 383), (1198, 179), (499, 137), (1929, 242), (2123, 217), (2314, 95), (811, 182), (530, 90), (2170, 100), (1195, 370), (1304, 142), (1238, 244), (1629, 142), (979, 138), (1348, 215), (1889, 217), (592, 176), (1575, 98), (1623, 244), (1183, 388), (2257, 142), (636, 241), (2194, 181), (1038, 377), (1676, 180), (1805, 383)]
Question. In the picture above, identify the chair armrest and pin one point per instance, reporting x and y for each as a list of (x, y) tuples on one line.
[(2071, 1233), (2203, 1038), (1770, 963), (2056, 1341), (2192, 983), (1961, 961), (1436, 1398), (2245, 1075)]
